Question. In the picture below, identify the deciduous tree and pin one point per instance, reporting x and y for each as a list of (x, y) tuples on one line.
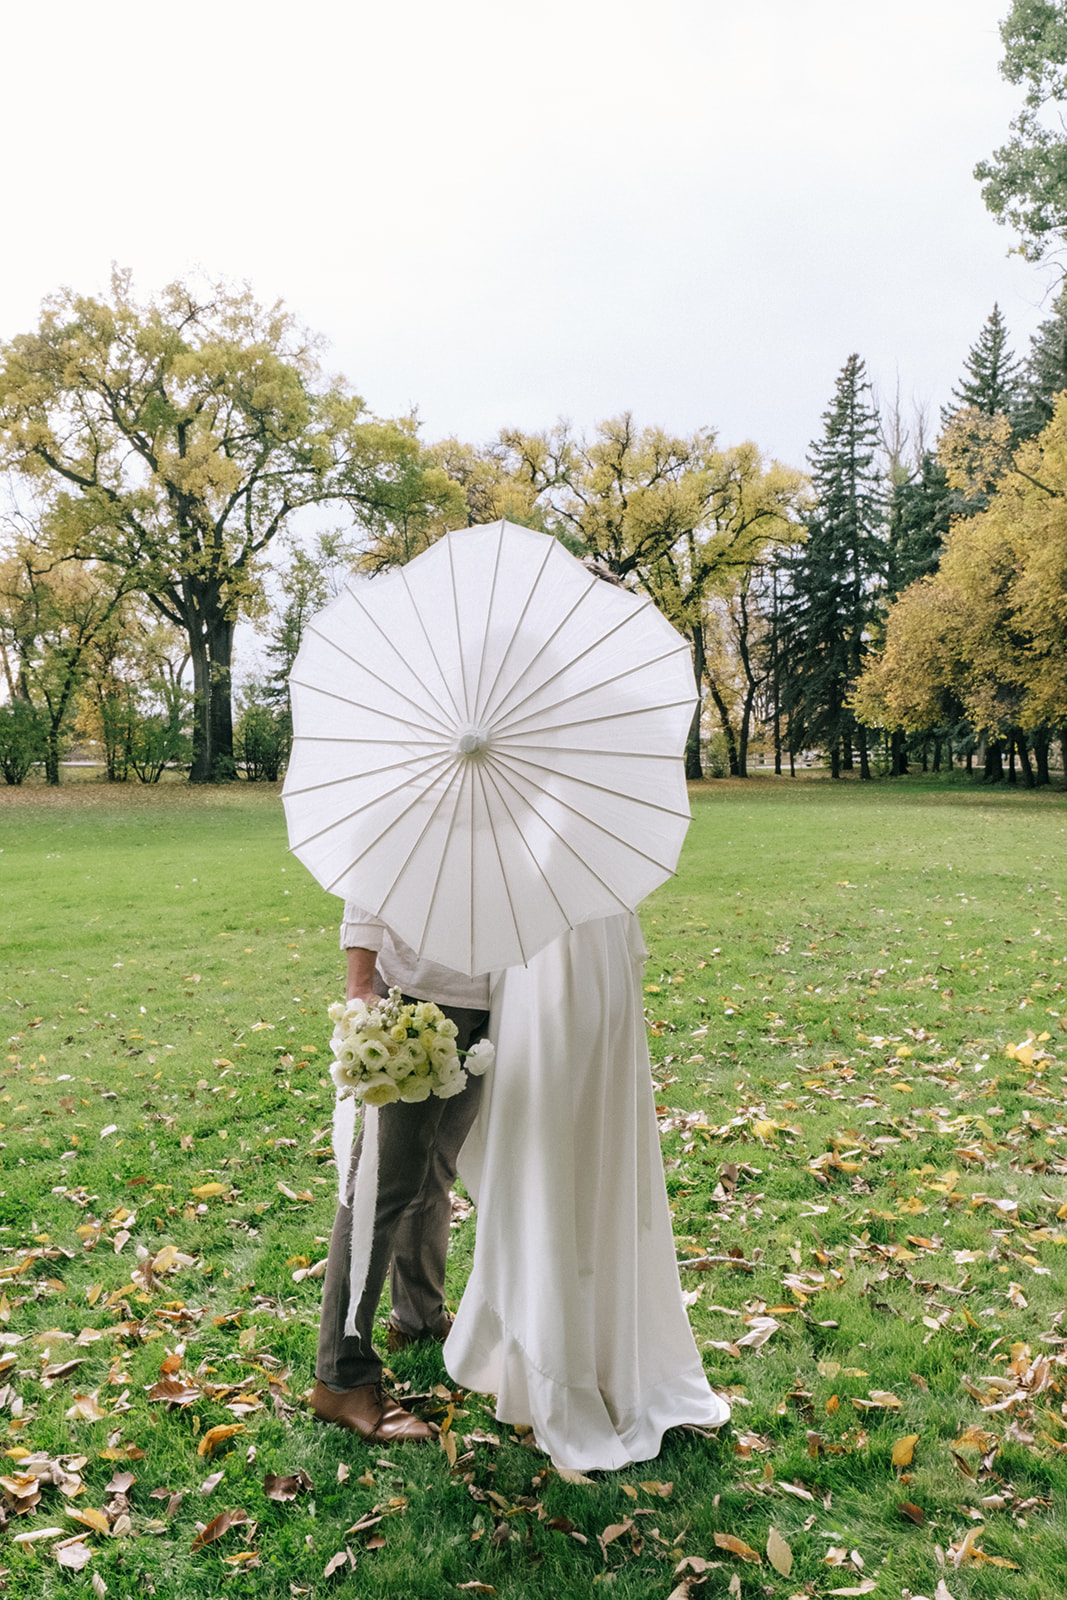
[(181, 435)]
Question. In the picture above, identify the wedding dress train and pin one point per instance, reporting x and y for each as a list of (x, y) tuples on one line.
[(573, 1315)]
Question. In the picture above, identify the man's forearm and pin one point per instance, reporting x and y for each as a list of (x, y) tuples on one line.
[(360, 977)]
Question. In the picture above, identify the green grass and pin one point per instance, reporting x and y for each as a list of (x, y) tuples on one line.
[(834, 978)]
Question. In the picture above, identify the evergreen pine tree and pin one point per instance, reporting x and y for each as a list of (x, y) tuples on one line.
[(1044, 371), (992, 381), (837, 578), (921, 509)]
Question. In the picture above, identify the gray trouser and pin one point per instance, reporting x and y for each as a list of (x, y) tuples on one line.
[(418, 1146)]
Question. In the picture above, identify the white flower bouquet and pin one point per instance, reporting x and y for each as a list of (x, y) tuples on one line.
[(396, 1051)]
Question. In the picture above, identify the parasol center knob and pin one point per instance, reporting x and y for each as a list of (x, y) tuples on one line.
[(471, 742)]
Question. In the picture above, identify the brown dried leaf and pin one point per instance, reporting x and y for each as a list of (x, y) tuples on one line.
[(219, 1526), (173, 1392), (341, 1559), (286, 1488), (913, 1513), (738, 1547)]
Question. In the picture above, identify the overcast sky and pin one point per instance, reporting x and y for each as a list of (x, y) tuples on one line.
[(502, 214)]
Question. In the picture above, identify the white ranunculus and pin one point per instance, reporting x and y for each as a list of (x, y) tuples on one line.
[(379, 1090), (374, 1054), (413, 1089), (345, 1076), (454, 1083), (443, 1053), (480, 1057)]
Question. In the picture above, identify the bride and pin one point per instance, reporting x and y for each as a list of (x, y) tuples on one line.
[(573, 1315)]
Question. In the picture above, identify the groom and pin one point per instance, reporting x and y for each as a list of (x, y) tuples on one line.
[(418, 1146)]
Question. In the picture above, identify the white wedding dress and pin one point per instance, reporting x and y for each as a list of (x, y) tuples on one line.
[(573, 1316)]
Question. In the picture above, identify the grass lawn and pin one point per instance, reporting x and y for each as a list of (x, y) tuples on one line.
[(857, 1010)]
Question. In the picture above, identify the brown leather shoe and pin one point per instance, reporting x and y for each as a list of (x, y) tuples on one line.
[(371, 1413), (396, 1338)]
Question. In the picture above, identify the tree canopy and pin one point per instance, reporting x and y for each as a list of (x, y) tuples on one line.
[(176, 438), (1024, 183)]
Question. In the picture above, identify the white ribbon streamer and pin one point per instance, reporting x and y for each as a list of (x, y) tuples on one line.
[(364, 1194)]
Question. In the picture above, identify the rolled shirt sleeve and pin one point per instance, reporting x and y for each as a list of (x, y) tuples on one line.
[(401, 967)]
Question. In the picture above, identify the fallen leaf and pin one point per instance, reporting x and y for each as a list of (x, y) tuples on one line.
[(210, 1191), (913, 1513), (211, 1483), (218, 1435), (904, 1450), (92, 1519), (219, 1526), (778, 1553), (286, 1488), (738, 1547), (73, 1554), (341, 1559)]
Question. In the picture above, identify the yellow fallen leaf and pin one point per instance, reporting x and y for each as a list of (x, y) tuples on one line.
[(209, 1191), (778, 1553), (904, 1450), (92, 1519), (218, 1435)]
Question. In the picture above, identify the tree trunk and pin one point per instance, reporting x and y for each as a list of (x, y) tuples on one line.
[(693, 767), (994, 761), (846, 753), (835, 760), (1063, 753), (1041, 744), (865, 765), (1024, 759), (899, 753), (926, 754), (746, 723), (1012, 775), (211, 652), (728, 732), (937, 752)]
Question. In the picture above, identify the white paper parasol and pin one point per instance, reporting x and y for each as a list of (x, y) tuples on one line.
[(487, 747)]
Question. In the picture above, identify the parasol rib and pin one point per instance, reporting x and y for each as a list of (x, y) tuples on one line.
[(614, 893), (607, 833), (361, 705), (366, 806), (429, 644), (557, 628), (483, 710), (641, 666), (511, 761), (355, 777)]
